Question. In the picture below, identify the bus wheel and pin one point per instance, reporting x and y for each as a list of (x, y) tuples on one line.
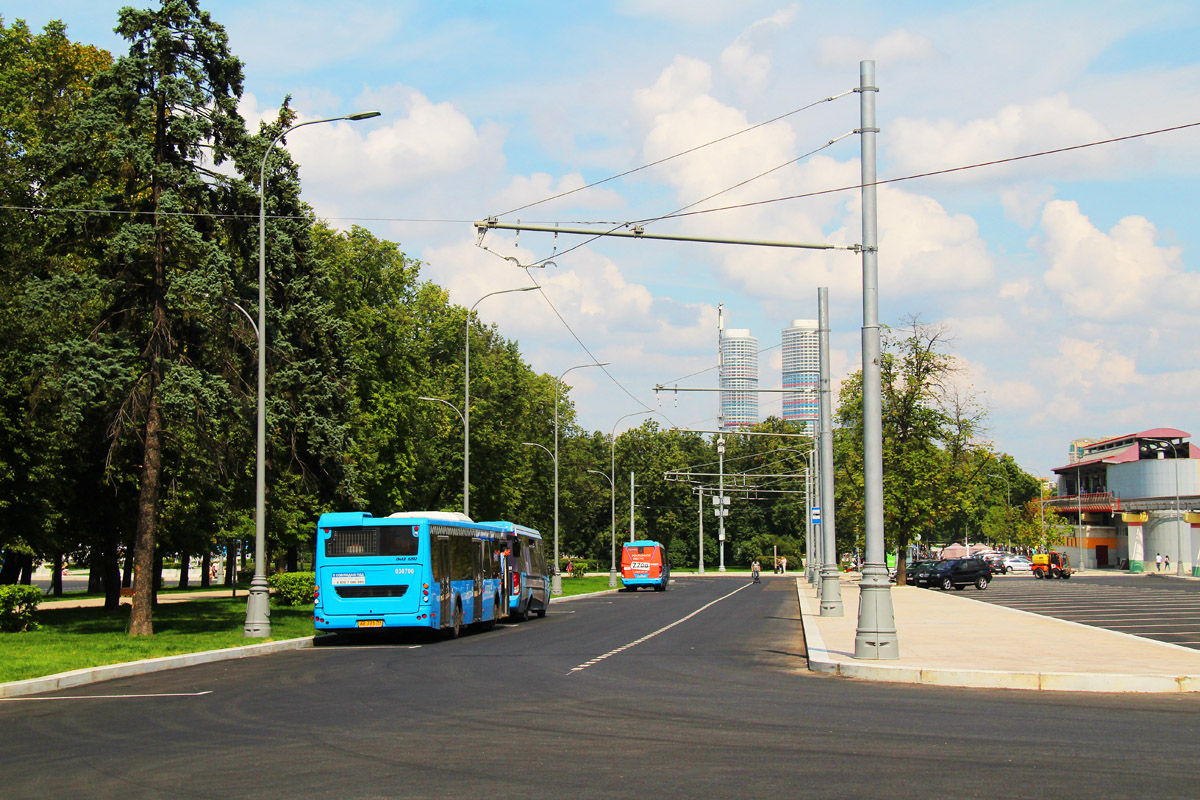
[(456, 628), (489, 625), (521, 613), (541, 612)]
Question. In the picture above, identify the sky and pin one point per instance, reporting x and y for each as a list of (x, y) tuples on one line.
[(1068, 284)]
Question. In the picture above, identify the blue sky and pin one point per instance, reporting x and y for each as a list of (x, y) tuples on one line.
[(1069, 283)]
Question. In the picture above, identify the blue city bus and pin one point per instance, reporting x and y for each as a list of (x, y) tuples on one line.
[(419, 569), (528, 578)]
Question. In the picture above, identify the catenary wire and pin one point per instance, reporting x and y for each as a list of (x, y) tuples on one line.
[(931, 173), (676, 155)]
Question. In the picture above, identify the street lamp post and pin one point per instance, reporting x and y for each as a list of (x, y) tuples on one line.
[(556, 579), (258, 606), (721, 502), (467, 397), (612, 570)]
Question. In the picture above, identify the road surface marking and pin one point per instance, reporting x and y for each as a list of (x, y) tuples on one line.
[(648, 636), (106, 696)]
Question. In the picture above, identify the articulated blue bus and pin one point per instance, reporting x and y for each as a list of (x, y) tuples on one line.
[(529, 576), (424, 569)]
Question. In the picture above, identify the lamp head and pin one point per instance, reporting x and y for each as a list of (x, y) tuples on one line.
[(362, 115)]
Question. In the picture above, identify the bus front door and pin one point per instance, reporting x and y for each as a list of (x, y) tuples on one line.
[(443, 575)]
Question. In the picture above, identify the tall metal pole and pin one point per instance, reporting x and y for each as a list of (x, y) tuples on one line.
[(808, 524), (258, 604), (721, 498), (875, 636), (556, 579), (612, 570), (701, 544), (631, 508), (467, 398), (831, 585)]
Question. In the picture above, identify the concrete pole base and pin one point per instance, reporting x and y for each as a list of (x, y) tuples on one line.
[(556, 584), (831, 592), (876, 637), (612, 578), (258, 610)]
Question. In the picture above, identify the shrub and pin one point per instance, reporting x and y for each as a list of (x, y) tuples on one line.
[(578, 567), (17, 604), (293, 588)]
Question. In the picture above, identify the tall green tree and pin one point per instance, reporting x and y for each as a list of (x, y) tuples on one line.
[(157, 125)]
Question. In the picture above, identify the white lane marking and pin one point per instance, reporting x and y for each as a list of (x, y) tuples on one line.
[(106, 696), (625, 647)]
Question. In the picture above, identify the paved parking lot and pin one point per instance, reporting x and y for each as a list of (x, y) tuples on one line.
[(1155, 608)]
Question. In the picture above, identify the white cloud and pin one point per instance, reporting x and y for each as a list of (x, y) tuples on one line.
[(897, 47), (1122, 273), (919, 145), (748, 59)]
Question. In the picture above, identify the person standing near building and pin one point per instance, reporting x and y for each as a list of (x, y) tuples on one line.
[(1167, 563), (1158, 562)]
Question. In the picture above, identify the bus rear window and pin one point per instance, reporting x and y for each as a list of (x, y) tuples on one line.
[(399, 540), (387, 540)]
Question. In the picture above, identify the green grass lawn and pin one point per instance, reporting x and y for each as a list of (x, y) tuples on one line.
[(74, 638), (588, 583)]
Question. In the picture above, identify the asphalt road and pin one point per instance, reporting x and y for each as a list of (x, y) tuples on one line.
[(1165, 609), (696, 692)]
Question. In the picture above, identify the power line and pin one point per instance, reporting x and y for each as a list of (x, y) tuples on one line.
[(676, 155), (931, 173)]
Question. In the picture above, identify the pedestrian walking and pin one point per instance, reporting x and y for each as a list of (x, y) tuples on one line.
[(754, 569), (1167, 563), (1158, 562), (783, 565)]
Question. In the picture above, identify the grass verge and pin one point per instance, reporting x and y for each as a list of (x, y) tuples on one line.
[(74, 638), (588, 583)]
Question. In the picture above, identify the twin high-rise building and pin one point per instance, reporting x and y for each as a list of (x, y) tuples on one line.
[(802, 372), (739, 379), (739, 375)]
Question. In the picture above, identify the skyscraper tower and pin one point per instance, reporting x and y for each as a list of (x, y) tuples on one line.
[(738, 376), (801, 371)]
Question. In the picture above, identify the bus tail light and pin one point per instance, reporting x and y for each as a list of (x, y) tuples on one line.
[(516, 583)]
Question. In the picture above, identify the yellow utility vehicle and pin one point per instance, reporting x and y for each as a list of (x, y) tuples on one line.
[(1051, 565)]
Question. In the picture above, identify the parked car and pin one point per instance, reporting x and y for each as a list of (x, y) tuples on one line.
[(957, 573), (1018, 564), (916, 568), (995, 562)]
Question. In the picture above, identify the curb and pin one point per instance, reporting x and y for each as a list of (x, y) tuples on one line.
[(125, 669), (79, 677), (819, 661)]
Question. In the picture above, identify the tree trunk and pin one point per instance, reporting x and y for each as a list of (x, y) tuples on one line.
[(96, 569), (11, 571), (184, 566), (56, 578), (293, 559), (111, 572), (141, 617), (205, 570), (26, 571), (230, 562)]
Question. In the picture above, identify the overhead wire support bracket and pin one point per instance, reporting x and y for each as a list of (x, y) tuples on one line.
[(640, 233)]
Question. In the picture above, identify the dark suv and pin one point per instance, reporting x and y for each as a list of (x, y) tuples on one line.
[(957, 572)]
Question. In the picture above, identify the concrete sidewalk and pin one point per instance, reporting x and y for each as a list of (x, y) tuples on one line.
[(949, 639)]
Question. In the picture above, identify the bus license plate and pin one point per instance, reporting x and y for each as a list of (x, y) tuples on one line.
[(370, 623)]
